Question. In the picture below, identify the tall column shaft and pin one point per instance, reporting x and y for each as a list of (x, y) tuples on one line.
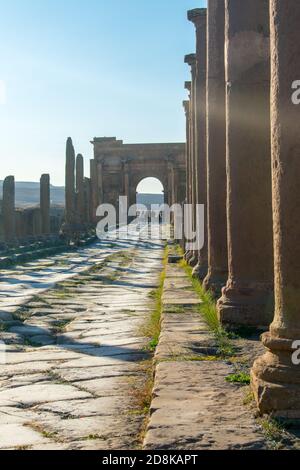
[(8, 208), (45, 203), (170, 182), (186, 107), (126, 170), (70, 183), (216, 150), (199, 18), (100, 182), (248, 296), (188, 86), (94, 190), (87, 200), (80, 209), (191, 61), (275, 379)]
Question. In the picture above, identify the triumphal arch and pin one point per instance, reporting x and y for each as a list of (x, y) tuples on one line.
[(118, 168)]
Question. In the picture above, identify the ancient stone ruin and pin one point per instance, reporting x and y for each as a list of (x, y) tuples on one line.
[(246, 162), (241, 161)]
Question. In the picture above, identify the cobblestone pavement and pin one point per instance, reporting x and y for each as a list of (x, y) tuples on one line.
[(75, 351)]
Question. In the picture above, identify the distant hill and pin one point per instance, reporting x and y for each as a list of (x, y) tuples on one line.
[(150, 199), (28, 194)]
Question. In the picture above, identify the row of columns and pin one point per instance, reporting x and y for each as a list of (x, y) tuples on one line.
[(243, 164), (9, 209), (79, 198)]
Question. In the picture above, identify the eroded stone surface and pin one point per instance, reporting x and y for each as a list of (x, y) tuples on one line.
[(193, 405), (75, 350)]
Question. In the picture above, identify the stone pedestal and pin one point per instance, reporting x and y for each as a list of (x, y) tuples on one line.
[(45, 204), (275, 378), (198, 17), (248, 296), (8, 208), (216, 150)]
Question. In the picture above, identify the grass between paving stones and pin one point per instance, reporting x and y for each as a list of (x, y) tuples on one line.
[(142, 388), (275, 432), (152, 327), (189, 358), (208, 310), (238, 378), (43, 431)]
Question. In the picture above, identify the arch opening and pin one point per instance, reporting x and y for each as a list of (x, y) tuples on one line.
[(150, 191)]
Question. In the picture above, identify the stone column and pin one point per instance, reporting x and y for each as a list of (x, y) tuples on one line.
[(190, 59), (94, 190), (198, 17), (188, 86), (87, 200), (248, 296), (8, 208), (100, 181), (80, 190), (186, 107), (45, 204), (70, 183), (275, 379), (216, 150), (170, 181), (126, 171)]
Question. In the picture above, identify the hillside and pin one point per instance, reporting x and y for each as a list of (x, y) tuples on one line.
[(28, 194)]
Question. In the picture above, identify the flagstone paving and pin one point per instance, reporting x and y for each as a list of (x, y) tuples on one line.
[(75, 351), (20, 283), (193, 407)]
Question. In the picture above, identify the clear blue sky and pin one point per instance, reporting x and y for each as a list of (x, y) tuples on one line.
[(86, 68)]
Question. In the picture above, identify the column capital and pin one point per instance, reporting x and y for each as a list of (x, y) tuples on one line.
[(188, 85), (190, 59), (197, 16)]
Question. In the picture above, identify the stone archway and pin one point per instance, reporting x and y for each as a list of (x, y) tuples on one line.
[(117, 169), (150, 191)]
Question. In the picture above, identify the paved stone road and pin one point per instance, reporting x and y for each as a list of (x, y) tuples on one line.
[(75, 352), (20, 283)]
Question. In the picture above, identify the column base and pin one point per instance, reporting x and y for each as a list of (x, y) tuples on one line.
[(215, 282), (200, 271), (246, 305), (193, 260), (275, 380)]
